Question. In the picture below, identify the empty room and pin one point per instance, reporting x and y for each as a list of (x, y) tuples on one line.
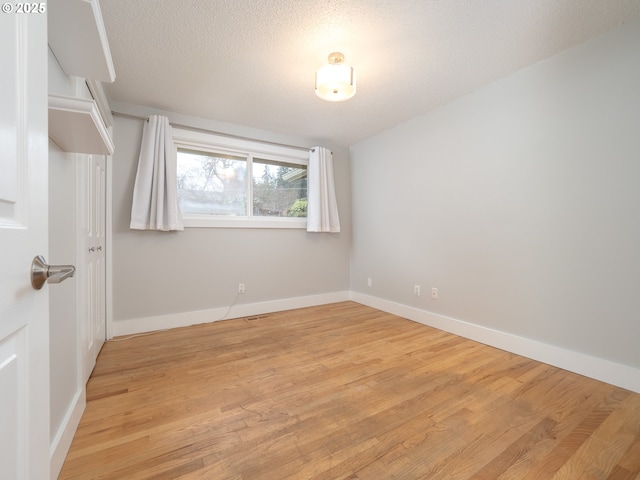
[(320, 239)]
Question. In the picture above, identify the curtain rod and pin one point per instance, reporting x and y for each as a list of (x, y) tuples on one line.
[(204, 130)]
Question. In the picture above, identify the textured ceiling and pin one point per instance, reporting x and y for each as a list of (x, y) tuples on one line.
[(252, 62)]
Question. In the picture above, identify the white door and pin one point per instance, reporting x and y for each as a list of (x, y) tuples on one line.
[(94, 179), (24, 322)]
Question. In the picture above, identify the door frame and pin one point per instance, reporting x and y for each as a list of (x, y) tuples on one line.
[(61, 443), (97, 91)]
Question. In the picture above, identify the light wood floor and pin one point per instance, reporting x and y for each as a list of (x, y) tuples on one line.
[(344, 391)]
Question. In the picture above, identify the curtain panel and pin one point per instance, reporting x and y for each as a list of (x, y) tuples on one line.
[(155, 196), (322, 208)]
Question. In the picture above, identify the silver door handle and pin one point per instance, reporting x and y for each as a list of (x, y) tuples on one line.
[(42, 273)]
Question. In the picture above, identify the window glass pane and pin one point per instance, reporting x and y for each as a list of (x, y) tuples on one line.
[(279, 189), (212, 183)]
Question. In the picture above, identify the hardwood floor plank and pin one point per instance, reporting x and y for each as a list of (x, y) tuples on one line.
[(507, 457), (631, 459), (343, 391), (598, 455)]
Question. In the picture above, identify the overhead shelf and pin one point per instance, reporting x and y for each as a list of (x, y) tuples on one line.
[(78, 39), (76, 126)]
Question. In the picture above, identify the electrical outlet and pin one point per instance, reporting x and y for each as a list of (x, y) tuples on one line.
[(434, 292), (241, 288), (369, 282), (416, 290)]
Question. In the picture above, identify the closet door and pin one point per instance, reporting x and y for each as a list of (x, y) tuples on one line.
[(94, 299)]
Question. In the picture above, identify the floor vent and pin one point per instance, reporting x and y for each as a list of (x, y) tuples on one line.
[(257, 317)]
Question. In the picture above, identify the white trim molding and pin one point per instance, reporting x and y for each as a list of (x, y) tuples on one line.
[(593, 367), (209, 221), (97, 92), (184, 319), (61, 443)]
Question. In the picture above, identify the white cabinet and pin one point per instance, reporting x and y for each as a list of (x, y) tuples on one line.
[(78, 39)]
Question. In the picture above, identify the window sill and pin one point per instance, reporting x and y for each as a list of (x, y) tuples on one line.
[(206, 221)]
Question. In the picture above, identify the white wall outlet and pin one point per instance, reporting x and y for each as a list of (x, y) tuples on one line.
[(434, 292), (241, 288), (369, 282), (416, 290)]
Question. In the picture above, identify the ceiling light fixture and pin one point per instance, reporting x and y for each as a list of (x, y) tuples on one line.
[(336, 81)]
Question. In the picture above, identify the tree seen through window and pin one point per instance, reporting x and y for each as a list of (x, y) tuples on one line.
[(216, 184)]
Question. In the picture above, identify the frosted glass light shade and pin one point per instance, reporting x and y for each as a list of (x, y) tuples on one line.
[(336, 81)]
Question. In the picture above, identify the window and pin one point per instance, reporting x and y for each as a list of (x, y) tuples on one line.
[(228, 182), (279, 189), (211, 183)]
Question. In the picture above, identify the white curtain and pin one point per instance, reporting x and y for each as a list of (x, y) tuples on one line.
[(155, 196), (322, 209)]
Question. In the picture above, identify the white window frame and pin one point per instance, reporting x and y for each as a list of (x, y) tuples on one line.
[(209, 142)]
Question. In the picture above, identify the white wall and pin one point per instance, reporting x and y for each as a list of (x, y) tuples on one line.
[(62, 297), (158, 273), (64, 370), (520, 202)]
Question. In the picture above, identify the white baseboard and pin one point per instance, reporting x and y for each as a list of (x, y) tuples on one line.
[(597, 368), (64, 436), (184, 319)]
